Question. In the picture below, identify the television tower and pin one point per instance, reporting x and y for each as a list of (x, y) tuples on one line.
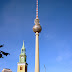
[(37, 29)]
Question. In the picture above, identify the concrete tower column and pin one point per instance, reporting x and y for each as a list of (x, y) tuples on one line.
[(37, 53)]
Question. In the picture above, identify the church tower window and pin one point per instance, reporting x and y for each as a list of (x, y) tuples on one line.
[(21, 68), (22, 51)]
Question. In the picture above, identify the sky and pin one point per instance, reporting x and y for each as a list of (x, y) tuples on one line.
[(55, 40)]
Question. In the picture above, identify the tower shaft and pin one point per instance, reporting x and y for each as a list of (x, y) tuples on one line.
[(37, 53)]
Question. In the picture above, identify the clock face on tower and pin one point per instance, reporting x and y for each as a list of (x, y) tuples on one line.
[(21, 57)]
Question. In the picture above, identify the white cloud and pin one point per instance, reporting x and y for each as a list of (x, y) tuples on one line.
[(49, 36), (59, 58), (64, 56)]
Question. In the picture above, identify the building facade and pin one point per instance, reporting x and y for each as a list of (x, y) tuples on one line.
[(22, 65), (6, 70)]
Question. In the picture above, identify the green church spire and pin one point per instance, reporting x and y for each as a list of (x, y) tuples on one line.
[(22, 58), (23, 47), (23, 51)]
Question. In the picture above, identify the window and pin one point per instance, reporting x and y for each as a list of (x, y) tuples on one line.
[(21, 68), (22, 50)]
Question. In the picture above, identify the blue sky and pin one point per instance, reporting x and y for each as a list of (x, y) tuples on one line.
[(55, 40)]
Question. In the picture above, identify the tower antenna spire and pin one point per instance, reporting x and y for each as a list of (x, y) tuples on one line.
[(36, 9)]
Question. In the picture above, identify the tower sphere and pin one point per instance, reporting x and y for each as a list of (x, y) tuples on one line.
[(37, 27)]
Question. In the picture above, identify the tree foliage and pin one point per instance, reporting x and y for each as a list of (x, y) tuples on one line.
[(2, 52)]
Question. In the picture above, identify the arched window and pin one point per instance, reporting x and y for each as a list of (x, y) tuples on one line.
[(22, 51), (21, 68)]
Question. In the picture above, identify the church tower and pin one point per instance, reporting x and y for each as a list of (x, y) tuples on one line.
[(22, 65)]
